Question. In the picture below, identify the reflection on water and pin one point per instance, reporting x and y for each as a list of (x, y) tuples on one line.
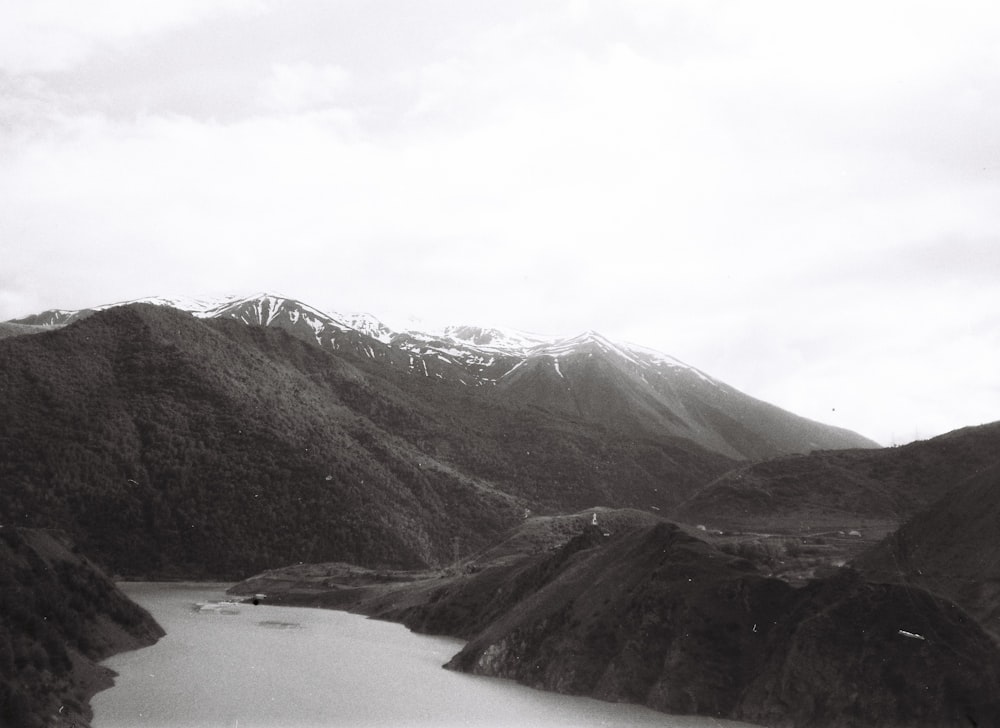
[(226, 664), (275, 624)]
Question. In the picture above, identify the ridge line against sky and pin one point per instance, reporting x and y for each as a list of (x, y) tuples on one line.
[(799, 199)]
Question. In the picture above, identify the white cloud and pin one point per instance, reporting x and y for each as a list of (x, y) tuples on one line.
[(303, 86), (54, 35)]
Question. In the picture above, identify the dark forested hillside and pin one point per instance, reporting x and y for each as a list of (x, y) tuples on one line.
[(167, 445), (59, 616)]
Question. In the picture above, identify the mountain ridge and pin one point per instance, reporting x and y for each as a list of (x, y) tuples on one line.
[(635, 388), (890, 483)]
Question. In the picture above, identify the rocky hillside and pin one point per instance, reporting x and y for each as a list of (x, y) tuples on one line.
[(59, 616)]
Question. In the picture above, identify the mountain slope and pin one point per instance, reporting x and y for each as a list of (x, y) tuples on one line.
[(150, 436), (588, 377), (951, 548), (632, 388), (889, 484), (172, 445), (10, 329)]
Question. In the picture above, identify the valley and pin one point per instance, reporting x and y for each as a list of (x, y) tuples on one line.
[(451, 481)]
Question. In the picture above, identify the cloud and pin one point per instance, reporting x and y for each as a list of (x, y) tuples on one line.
[(303, 86), (55, 35)]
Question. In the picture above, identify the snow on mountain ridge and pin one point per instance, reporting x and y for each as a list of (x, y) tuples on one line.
[(195, 306), (642, 357), (485, 354), (505, 340), (369, 325), (467, 346), (258, 302), (588, 339)]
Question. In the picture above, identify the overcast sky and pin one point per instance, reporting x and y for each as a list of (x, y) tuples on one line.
[(800, 198)]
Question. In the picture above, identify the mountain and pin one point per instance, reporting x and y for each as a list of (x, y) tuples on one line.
[(635, 610), (847, 486), (588, 377), (951, 547), (59, 617), (56, 317), (471, 355), (247, 434), (172, 445), (629, 387)]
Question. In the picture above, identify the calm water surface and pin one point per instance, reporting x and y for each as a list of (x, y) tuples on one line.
[(283, 666)]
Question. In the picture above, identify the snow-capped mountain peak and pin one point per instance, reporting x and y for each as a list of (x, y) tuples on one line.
[(592, 342), (588, 342), (183, 303), (506, 340), (368, 325), (471, 354), (262, 309)]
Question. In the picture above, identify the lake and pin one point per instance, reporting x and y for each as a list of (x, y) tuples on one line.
[(238, 666)]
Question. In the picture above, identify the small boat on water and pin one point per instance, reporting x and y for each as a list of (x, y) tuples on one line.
[(225, 606)]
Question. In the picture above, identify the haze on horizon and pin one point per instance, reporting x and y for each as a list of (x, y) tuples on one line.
[(800, 200)]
